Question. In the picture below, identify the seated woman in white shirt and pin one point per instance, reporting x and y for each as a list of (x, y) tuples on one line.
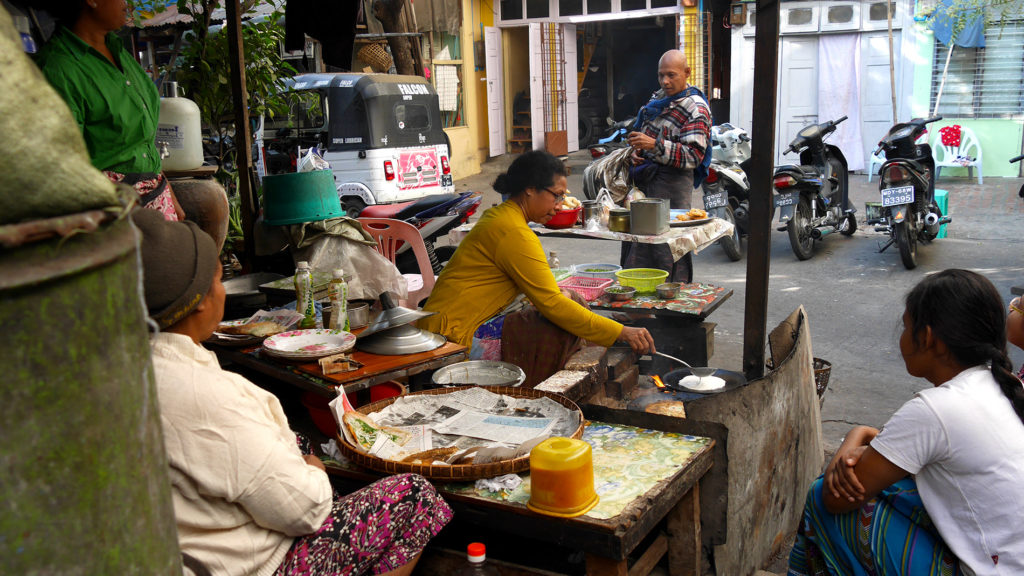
[(940, 489), (246, 499)]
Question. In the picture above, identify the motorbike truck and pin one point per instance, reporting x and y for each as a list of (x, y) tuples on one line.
[(726, 188), (813, 197), (906, 183), (382, 134)]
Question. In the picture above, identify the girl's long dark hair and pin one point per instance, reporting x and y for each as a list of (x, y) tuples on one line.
[(966, 312), (534, 169)]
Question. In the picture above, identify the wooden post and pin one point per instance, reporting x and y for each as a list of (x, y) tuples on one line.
[(684, 528), (243, 139), (755, 314), (389, 13), (414, 42)]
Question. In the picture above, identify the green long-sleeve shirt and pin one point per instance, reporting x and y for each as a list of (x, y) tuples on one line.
[(499, 259), (116, 107)]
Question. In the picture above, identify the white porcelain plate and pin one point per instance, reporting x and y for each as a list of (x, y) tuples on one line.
[(309, 344)]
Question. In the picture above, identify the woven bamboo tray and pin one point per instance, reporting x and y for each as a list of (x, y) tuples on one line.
[(455, 472)]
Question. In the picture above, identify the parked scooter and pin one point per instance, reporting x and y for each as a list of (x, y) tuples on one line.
[(907, 185), (726, 188), (613, 139), (434, 216), (813, 198)]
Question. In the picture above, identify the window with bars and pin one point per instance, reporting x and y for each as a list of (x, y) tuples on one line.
[(696, 30), (443, 54), (982, 82)]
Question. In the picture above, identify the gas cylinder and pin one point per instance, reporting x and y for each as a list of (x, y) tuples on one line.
[(179, 127)]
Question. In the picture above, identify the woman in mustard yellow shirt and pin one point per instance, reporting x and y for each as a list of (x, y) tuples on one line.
[(501, 258)]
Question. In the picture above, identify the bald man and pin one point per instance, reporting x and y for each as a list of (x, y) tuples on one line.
[(670, 137)]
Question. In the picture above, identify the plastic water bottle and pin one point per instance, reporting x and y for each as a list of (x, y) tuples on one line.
[(553, 260), (476, 561), (337, 293), (304, 295)]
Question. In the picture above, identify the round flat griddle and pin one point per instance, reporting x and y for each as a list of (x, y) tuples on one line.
[(732, 380)]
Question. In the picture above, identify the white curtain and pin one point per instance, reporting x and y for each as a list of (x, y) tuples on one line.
[(839, 92)]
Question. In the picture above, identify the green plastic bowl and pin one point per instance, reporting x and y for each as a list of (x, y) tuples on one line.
[(300, 197), (645, 280)]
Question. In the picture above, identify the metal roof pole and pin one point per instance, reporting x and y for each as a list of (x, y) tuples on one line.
[(755, 314), (243, 139)]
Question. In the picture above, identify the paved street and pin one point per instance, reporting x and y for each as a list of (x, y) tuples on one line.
[(852, 294)]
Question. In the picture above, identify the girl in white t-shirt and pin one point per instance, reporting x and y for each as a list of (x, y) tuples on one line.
[(940, 489)]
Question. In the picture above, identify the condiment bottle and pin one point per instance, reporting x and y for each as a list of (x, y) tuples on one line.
[(304, 295), (337, 293), (553, 260), (476, 559)]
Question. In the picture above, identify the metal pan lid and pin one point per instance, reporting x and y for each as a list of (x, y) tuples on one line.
[(392, 316)]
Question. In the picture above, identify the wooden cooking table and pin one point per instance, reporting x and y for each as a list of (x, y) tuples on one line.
[(308, 376), (648, 484), (677, 325)]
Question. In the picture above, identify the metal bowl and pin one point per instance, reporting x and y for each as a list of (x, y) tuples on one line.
[(621, 293), (668, 290), (480, 373)]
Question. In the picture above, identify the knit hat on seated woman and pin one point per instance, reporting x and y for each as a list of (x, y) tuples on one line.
[(178, 264)]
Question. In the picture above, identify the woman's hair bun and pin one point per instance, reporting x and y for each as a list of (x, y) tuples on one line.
[(501, 184)]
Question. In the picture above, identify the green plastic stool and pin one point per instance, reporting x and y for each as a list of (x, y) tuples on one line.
[(942, 199)]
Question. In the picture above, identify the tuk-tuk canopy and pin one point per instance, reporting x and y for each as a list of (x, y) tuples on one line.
[(365, 111)]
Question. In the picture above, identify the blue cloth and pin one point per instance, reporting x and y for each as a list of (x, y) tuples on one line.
[(487, 340), (973, 34), (889, 535)]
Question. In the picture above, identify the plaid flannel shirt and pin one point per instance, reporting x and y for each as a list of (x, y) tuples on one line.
[(682, 132)]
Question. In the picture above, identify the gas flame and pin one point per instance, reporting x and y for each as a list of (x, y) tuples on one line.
[(657, 381)]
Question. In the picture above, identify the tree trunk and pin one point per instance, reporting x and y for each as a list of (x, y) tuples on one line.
[(389, 13)]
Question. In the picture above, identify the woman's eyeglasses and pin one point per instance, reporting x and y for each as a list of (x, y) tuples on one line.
[(558, 197), (1015, 306)]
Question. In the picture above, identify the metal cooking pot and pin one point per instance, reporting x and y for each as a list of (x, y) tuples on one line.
[(358, 314)]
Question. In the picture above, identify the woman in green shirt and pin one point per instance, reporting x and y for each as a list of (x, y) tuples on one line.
[(109, 94)]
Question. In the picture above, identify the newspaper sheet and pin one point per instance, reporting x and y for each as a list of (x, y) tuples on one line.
[(483, 425)]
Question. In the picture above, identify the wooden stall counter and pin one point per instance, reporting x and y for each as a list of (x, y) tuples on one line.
[(376, 368)]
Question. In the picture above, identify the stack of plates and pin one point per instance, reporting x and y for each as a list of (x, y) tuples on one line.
[(308, 345)]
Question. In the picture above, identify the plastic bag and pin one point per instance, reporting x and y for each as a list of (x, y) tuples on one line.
[(311, 161), (605, 201), (633, 195)]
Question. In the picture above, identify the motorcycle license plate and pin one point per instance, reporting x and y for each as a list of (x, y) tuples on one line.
[(786, 198), (446, 179), (896, 196), (716, 200)]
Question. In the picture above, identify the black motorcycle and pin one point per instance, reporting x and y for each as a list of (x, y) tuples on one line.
[(813, 197), (909, 213)]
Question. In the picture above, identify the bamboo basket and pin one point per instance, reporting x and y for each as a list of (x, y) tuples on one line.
[(376, 56), (455, 472)]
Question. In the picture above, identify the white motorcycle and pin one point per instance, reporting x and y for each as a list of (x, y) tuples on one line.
[(726, 188)]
